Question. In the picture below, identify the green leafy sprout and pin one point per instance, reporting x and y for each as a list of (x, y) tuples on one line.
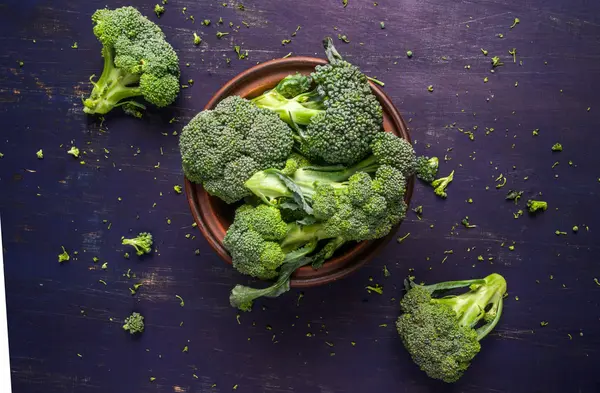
[(142, 243), (443, 333)]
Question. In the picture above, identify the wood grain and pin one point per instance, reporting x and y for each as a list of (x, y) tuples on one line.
[(56, 312)]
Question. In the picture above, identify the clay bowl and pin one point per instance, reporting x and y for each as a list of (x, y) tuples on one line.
[(214, 216)]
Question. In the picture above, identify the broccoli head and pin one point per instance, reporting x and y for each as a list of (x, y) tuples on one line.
[(427, 168), (138, 62), (224, 147), (134, 323), (442, 334), (337, 120), (142, 243)]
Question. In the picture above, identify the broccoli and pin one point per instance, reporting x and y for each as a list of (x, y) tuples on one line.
[(224, 147), (134, 323), (441, 184), (138, 62), (442, 334), (299, 178), (159, 10), (263, 245), (337, 120), (63, 256), (40, 154), (427, 168), (533, 206), (557, 147), (142, 243), (74, 151)]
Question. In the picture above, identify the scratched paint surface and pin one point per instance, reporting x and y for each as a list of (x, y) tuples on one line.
[(56, 312)]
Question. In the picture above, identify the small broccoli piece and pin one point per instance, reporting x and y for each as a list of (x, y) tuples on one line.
[(159, 10), (557, 147), (337, 120), (442, 334), (197, 39), (441, 184), (427, 168), (64, 256), (134, 323), (224, 147), (177, 188), (74, 151), (40, 154), (533, 206), (138, 62), (142, 243)]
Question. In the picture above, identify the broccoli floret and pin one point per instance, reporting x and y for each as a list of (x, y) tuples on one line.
[(142, 243), (337, 120), (134, 323), (40, 154), (293, 85), (159, 10), (299, 178), (74, 151), (427, 168), (224, 147), (557, 147), (63, 256), (138, 62), (440, 185), (533, 206), (442, 334)]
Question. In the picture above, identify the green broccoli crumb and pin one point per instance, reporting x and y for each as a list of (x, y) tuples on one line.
[(382, 25), (159, 10), (206, 22), (430, 88), (177, 189), (536, 132), (515, 22), (401, 239), (485, 53), (343, 38), (534, 206), (134, 323), (376, 288), (285, 42), (74, 46), (73, 151), (181, 302), (465, 222), (409, 54), (40, 154), (221, 34), (514, 195), (197, 39), (496, 62), (345, 3), (575, 228), (513, 52), (557, 147), (440, 185), (142, 243), (64, 256), (559, 233)]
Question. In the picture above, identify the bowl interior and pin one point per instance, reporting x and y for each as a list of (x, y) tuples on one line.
[(213, 216)]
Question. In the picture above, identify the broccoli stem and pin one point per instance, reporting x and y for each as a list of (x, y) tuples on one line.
[(112, 88), (331, 53), (482, 302), (298, 110), (299, 235)]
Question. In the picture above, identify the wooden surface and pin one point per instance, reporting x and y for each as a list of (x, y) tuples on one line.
[(56, 312)]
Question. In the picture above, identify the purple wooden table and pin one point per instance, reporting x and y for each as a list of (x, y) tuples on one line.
[(65, 326)]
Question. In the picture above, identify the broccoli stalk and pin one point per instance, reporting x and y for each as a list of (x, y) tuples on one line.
[(442, 334), (138, 62), (142, 243)]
